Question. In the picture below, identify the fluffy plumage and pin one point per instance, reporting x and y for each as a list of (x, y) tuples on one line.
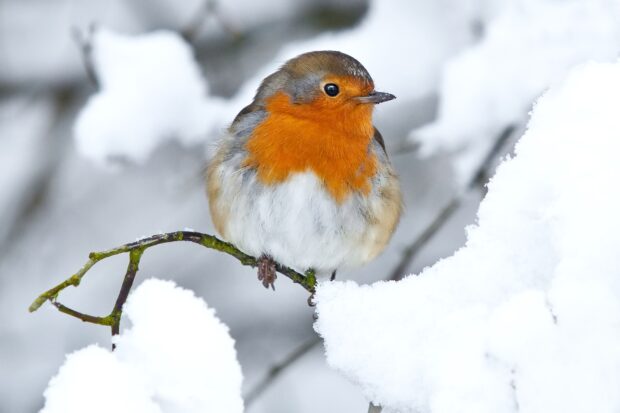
[(303, 177)]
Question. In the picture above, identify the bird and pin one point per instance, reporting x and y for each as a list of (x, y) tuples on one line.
[(302, 177)]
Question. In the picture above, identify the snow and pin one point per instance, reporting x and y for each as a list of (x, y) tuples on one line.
[(177, 357), (526, 316), (525, 48), (151, 91)]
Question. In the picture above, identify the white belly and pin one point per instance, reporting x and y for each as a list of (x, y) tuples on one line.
[(298, 224)]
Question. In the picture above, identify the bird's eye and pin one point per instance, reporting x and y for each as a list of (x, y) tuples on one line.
[(331, 89)]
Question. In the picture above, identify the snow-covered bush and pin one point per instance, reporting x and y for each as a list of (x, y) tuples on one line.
[(492, 84), (526, 316), (151, 91), (176, 358)]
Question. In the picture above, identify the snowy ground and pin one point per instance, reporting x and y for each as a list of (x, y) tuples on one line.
[(88, 168)]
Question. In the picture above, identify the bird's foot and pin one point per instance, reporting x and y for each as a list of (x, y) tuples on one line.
[(267, 271)]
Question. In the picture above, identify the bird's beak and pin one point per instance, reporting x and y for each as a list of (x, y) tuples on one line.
[(376, 97)]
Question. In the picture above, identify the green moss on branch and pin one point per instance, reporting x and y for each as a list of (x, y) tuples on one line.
[(136, 250)]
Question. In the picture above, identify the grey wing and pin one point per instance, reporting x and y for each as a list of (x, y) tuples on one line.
[(379, 139), (246, 121), (233, 142)]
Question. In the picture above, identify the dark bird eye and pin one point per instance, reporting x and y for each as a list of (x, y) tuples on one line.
[(331, 89)]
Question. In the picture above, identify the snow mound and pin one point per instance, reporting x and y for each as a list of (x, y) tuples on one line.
[(527, 47), (526, 316), (176, 358), (151, 91)]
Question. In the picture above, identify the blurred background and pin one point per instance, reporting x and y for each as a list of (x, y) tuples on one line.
[(465, 72)]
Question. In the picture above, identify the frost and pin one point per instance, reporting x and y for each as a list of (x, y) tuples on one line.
[(525, 316), (151, 91), (176, 358), (527, 47)]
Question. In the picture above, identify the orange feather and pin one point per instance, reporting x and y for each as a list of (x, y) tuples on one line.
[(329, 136)]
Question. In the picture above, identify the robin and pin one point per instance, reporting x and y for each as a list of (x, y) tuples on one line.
[(302, 176)]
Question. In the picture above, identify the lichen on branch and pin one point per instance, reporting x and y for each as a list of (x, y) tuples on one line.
[(136, 250)]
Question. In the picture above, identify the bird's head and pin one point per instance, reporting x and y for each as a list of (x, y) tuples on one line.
[(323, 85), (315, 114)]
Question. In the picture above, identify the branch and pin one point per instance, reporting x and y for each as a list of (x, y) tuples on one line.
[(136, 250), (374, 409), (84, 41), (274, 372), (207, 8)]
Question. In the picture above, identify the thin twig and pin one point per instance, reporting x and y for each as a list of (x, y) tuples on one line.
[(84, 317), (425, 236), (274, 372), (84, 41), (207, 8), (481, 177), (374, 409), (130, 275), (135, 251)]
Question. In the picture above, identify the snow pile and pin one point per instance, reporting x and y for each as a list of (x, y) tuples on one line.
[(151, 90), (177, 358), (526, 316), (492, 84)]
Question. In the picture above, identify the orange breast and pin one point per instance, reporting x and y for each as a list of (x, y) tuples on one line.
[(331, 142)]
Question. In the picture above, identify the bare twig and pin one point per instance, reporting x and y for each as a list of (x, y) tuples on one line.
[(374, 409), (135, 251), (425, 236), (274, 372), (207, 8), (481, 177), (84, 41)]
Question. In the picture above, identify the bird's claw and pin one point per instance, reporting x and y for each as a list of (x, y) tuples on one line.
[(267, 271)]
